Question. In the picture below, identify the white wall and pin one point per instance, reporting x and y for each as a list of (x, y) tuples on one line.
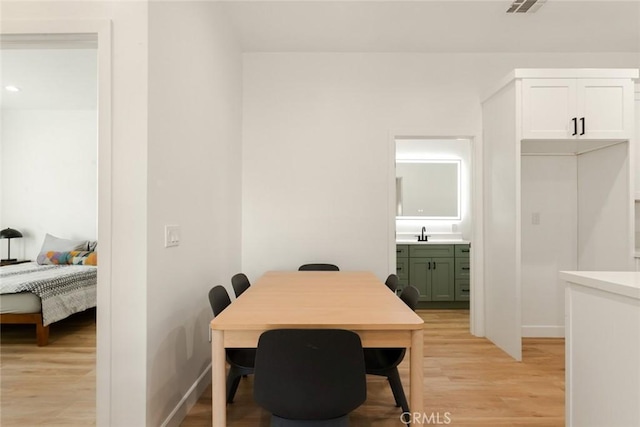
[(603, 204), (49, 182), (580, 204), (549, 189), (316, 132), (195, 94), (122, 321), (149, 357)]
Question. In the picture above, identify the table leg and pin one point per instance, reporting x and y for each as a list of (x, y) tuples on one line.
[(416, 372), (218, 389)]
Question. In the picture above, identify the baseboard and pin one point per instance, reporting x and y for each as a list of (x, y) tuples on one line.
[(445, 305), (542, 331), (189, 399)]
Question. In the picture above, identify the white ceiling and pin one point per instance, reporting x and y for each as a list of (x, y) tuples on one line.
[(66, 78), (435, 26), (49, 79)]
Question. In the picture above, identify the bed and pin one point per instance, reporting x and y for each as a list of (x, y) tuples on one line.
[(44, 294)]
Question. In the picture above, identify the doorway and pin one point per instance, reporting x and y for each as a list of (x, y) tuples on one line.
[(49, 139), (450, 227), (98, 35)]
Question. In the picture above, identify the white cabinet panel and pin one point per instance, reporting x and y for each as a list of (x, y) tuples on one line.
[(577, 108), (501, 216), (602, 349), (548, 107), (637, 173), (637, 141), (605, 107)]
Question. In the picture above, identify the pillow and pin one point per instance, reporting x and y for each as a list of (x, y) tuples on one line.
[(70, 257), (56, 244)]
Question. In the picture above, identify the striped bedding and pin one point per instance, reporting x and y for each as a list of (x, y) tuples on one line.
[(63, 289)]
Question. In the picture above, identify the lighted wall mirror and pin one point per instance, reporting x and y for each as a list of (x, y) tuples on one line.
[(428, 189)]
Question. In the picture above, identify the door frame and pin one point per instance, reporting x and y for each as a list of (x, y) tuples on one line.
[(476, 306), (101, 29)]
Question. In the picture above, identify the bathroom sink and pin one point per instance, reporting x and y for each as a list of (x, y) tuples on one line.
[(432, 242), (435, 238)]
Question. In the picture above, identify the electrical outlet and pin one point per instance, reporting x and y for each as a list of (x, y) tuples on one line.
[(171, 235)]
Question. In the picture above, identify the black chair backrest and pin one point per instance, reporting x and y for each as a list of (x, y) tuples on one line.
[(240, 283), (410, 296), (318, 267), (219, 299), (392, 282), (309, 374)]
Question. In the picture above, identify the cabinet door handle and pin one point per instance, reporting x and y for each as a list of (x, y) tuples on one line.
[(466, 268), (575, 126), (465, 250), (434, 265), (398, 268), (583, 127), (429, 265)]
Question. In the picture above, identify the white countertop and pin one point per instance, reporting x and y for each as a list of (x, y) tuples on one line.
[(626, 283), (433, 242)]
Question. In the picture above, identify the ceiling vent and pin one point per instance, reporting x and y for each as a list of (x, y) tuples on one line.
[(525, 6)]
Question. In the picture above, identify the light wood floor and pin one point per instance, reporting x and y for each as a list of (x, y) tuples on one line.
[(468, 377), (53, 385)]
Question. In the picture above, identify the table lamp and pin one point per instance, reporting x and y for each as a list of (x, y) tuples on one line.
[(9, 233)]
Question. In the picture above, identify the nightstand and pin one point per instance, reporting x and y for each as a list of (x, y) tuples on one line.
[(12, 262)]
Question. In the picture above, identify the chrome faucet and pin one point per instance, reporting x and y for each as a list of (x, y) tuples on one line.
[(423, 237)]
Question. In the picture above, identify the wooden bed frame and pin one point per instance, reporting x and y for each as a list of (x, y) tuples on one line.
[(42, 332)]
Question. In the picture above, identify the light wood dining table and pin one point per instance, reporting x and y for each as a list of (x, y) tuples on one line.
[(356, 301)]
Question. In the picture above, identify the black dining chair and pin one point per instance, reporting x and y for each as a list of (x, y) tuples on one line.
[(410, 296), (392, 282), (318, 267), (309, 377), (241, 360), (384, 361), (240, 283)]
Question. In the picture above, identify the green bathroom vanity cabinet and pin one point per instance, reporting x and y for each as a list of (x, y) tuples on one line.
[(441, 272)]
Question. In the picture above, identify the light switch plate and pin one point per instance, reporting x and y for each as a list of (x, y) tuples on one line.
[(535, 218), (171, 235)]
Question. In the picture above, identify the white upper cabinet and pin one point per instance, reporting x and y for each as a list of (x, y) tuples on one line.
[(548, 108), (583, 108)]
